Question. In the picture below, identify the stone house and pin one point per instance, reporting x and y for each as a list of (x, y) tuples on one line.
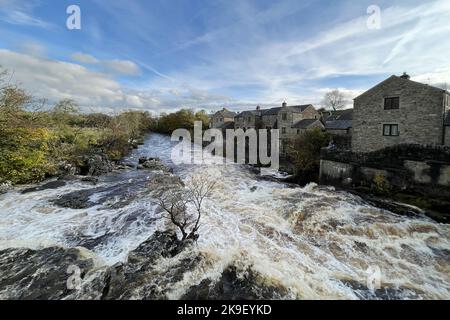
[(339, 123), (249, 119), (400, 111), (220, 118), (290, 116), (288, 119), (307, 124)]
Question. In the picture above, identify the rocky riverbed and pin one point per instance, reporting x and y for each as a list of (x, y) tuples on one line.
[(102, 238)]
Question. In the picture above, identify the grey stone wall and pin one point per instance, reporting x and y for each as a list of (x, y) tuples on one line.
[(269, 121), (408, 168), (217, 121), (419, 117)]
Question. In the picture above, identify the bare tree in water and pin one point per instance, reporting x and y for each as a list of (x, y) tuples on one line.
[(176, 199)]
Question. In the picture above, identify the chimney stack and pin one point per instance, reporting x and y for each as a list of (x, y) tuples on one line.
[(405, 76)]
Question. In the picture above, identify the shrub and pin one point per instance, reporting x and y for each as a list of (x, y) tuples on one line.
[(381, 183), (23, 157), (304, 152)]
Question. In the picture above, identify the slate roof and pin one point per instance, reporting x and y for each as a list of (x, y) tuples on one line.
[(346, 114), (338, 124), (249, 113), (271, 112), (305, 124), (447, 119), (396, 78), (225, 113), (299, 109), (295, 109)]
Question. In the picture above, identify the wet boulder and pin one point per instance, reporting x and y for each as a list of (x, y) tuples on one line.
[(161, 244), (155, 164), (96, 165), (236, 284), (76, 200), (140, 278), (46, 186)]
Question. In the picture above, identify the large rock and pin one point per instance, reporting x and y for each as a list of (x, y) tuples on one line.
[(76, 200), (97, 165), (153, 164), (51, 273), (46, 186), (236, 284), (139, 278)]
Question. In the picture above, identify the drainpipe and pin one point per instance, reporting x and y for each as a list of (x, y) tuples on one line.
[(444, 97)]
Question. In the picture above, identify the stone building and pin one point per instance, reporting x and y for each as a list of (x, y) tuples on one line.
[(290, 116), (307, 124), (290, 120), (399, 111), (249, 119), (222, 117), (338, 123)]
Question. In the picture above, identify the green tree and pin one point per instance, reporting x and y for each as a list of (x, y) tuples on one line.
[(304, 152)]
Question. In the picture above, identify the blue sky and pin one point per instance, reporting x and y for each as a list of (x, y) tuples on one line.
[(162, 55)]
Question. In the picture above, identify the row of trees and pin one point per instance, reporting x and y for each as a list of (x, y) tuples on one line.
[(182, 119)]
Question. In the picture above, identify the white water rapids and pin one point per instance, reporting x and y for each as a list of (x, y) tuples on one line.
[(314, 241)]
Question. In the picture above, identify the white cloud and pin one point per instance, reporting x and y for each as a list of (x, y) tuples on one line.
[(84, 58), (34, 49), (124, 67), (95, 91)]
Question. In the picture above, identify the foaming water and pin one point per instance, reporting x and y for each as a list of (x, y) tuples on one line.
[(314, 241)]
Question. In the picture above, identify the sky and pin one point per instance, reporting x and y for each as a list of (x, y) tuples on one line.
[(163, 55)]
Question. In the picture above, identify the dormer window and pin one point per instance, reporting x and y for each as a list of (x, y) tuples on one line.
[(392, 103)]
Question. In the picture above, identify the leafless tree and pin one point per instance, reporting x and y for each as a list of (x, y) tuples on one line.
[(334, 100), (175, 198)]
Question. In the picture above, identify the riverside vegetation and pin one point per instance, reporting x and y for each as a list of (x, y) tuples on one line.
[(39, 142)]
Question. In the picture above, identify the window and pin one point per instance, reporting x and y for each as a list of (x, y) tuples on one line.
[(392, 103), (298, 131), (249, 119), (283, 130), (391, 130), (284, 116)]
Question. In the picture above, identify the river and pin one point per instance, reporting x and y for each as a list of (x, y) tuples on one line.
[(316, 242)]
